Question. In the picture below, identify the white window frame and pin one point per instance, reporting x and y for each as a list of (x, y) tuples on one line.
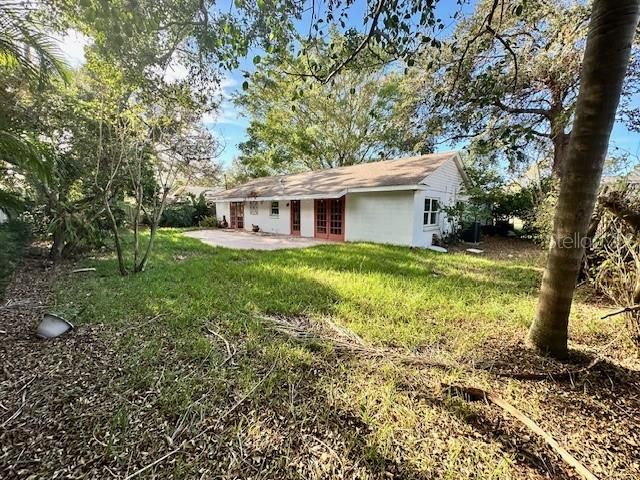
[(253, 207), (431, 214), (275, 204)]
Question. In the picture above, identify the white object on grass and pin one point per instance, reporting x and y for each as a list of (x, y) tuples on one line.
[(81, 270), (435, 248), (53, 326), (474, 250)]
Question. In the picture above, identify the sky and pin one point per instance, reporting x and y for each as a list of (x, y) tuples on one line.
[(230, 127)]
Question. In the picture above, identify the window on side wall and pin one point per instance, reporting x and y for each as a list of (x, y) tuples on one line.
[(275, 209), (253, 208), (431, 208)]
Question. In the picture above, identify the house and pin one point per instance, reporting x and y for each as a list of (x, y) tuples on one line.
[(393, 201)]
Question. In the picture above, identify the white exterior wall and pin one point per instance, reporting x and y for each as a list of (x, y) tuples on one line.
[(445, 184), (381, 217), (280, 224), (222, 209), (306, 218), (394, 217)]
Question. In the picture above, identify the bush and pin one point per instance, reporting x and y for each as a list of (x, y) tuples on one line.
[(200, 208), (14, 236), (209, 221), (178, 215)]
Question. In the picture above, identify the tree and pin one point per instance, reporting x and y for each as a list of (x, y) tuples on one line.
[(296, 124), (506, 82), (28, 60), (611, 33), (24, 44)]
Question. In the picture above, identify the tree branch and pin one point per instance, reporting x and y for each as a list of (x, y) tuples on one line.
[(521, 111)]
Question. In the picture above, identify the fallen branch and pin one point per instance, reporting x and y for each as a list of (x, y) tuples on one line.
[(633, 308), (345, 341), (83, 270), (230, 353), (208, 429), (475, 394)]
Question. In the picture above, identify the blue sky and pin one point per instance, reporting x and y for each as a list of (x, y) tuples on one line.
[(231, 127)]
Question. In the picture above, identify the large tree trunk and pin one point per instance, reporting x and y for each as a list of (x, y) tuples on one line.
[(611, 32)]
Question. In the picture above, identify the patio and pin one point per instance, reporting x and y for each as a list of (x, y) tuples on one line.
[(243, 240)]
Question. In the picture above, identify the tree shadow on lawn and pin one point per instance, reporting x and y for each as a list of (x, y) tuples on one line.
[(407, 263)]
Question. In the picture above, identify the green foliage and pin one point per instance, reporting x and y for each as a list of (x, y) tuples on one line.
[(200, 208), (178, 215), (209, 221), (186, 214), (298, 124), (24, 44), (472, 89), (491, 198), (540, 226), (13, 238)]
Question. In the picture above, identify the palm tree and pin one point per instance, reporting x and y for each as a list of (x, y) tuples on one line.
[(25, 50), (24, 44)]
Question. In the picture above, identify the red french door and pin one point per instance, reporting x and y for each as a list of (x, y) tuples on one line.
[(295, 217), (329, 218), (236, 212)]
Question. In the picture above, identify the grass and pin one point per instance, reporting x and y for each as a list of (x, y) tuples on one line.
[(315, 416), (13, 238)]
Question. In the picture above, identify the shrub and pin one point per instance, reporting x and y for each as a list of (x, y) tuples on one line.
[(178, 215), (209, 221), (14, 236), (200, 208)]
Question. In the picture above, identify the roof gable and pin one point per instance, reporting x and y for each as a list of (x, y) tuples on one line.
[(391, 174)]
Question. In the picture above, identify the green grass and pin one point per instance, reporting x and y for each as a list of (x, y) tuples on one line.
[(13, 238), (379, 415), (389, 295)]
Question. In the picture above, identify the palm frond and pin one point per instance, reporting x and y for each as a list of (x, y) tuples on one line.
[(22, 42), (11, 203), (25, 154)]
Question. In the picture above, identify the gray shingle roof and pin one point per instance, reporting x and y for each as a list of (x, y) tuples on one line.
[(331, 182)]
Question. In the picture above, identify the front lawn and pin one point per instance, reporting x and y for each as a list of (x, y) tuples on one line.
[(182, 356)]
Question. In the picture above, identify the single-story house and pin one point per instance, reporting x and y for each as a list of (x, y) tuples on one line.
[(393, 201)]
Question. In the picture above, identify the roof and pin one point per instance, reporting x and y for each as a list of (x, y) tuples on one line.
[(633, 178), (208, 192), (397, 174)]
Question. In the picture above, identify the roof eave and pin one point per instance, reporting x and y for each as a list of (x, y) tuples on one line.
[(338, 194)]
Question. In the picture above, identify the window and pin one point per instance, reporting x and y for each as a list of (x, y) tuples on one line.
[(275, 209), (430, 211), (253, 208)]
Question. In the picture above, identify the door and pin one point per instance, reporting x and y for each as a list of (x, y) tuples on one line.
[(236, 212), (329, 218), (295, 217)]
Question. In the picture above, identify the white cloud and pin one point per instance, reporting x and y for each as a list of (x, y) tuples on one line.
[(175, 71), (72, 45), (228, 113)]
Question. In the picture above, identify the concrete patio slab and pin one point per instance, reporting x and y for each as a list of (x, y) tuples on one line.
[(252, 241)]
